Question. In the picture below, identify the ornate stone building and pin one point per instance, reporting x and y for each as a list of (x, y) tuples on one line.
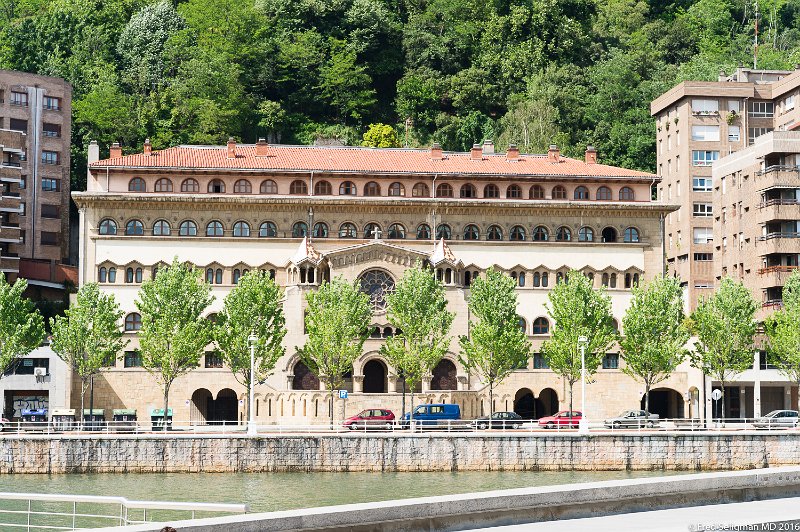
[(307, 214)]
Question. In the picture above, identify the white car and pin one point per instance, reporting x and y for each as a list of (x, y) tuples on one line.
[(777, 419)]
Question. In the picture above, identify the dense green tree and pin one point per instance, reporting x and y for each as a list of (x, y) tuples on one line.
[(345, 84), (381, 136), (783, 331), (21, 327)]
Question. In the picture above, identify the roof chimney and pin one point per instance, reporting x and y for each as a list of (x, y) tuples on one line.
[(553, 154), (92, 156), (148, 148), (488, 147), (513, 153), (591, 155), (115, 151), (476, 154), (436, 152), (231, 148), (262, 148)]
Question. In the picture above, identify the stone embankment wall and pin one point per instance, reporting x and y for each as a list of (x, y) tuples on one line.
[(151, 453)]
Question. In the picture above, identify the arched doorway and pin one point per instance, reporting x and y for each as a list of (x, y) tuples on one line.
[(665, 402), (374, 377), (223, 409), (609, 234), (444, 376), (524, 404), (199, 411), (546, 403), (303, 378)]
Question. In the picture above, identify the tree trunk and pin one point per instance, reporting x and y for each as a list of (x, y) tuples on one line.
[(404, 397), (330, 404), (411, 412), (571, 384), (647, 397), (84, 385), (249, 406), (722, 400), (491, 399), (166, 407)]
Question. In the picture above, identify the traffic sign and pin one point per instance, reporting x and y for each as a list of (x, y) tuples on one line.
[(716, 394), (342, 394)]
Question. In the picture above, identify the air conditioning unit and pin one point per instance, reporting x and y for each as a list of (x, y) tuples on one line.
[(40, 372)]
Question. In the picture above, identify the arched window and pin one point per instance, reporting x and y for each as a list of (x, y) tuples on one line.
[(108, 227), (347, 188), (214, 228), (523, 325), (537, 280), (237, 274), (468, 191), (545, 279), (604, 279), (613, 280), (161, 228), (627, 280), (626, 194), (444, 190), (559, 192), (267, 230), (323, 188), (631, 234), (213, 277), (494, 233), (585, 234), (102, 275), (491, 191), (563, 234), (269, 187), (541, 326), (242, 186), (134, 228), (514, 192), (190, 185), (137, 184), (372, 188), (421, 190), (298, 188), (112, 275), (397, 189), (163, 185), (517, 233), (559, 277), (471, 232), (133, 321), (299, 230), (536, 192), (603, 193), (347, 230), (320, 230), (443, 231), (216, 186), (423, 232), (187, 228), (371, 230), (133, 275), (521, 279), (540, 234), (241, 229), (609, 234), (635, 279), (581, 193), (397, 231), (139, 275)]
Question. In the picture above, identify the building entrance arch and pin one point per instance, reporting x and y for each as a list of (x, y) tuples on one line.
[(375, 373), (524, 403), (223, 409), (444, 376), (665, 402), (546, 403), (303, 378), (199, 410)]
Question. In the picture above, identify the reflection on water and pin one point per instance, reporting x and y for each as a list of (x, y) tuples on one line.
[(283, 491)]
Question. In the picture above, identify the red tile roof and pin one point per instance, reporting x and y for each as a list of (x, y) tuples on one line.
[(345, 159)]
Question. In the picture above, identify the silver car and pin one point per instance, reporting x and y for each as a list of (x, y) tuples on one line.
[(632, 419), (777, 419)]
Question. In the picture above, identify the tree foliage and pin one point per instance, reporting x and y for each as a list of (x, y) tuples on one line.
[(21, 326), (381, 136), (496, 344), (783, 331)]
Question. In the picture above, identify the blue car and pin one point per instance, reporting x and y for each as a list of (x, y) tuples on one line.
[(432, 415)]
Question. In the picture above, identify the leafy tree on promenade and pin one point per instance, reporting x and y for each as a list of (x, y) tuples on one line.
[(577, 309), (337, 323), (21, 325), (253, 307), (654, 334), (724, 325), (418, 309), (783, 331), (174, 332), (495, 345), (89, 334)]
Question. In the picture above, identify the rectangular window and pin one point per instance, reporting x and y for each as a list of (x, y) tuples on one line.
[(19, 98), (26, 366), (701, 184), (734, 134), (703, 257), (789, 104), (703, 235), (704, 107), (23, 181), (50, 157), (703, 285), (48, 239), (761, 109), (51, 211), (51, 185), (213, 361), (133, 359), (540, 362), (18, 124), (51, 130), (754, 132), (702, 210), (51, 103), (611, 361), (733, 106), (704, 157), (705, 133)]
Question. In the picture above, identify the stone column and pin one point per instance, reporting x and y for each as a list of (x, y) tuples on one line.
[(426, 383), (757, 385), (787, 396), (358, 383), (289, 379), (393, 385), (463, 383)]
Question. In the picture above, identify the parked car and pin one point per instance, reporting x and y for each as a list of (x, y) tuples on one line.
[(777, 419), (565, 419), (500, 420), (374, 418), (632, 418), (434, 414)]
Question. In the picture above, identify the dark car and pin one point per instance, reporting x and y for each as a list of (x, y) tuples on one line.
[(374, 418), (500, 420)]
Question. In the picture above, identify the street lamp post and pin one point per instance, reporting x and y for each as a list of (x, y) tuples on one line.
[(251, 418), (583, 424)]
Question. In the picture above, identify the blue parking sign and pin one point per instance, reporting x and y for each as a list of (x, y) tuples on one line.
[(342, 394)]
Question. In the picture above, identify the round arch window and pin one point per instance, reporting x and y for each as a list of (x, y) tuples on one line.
[(377, 284)]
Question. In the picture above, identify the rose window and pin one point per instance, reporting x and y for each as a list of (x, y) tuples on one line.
[(377, 284)]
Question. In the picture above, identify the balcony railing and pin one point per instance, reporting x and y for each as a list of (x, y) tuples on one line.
[(779, 168), (777, 269), (773, 304), (770, 236), (780, 201)]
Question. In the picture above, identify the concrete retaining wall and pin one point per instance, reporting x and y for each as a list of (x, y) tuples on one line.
[(435, 452)]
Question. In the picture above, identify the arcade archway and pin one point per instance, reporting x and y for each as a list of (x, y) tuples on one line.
[(665, 402), (444, 376), (525, 404), (375, 373)]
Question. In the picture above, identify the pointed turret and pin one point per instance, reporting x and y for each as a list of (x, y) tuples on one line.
[(306, 253), (442, 253)]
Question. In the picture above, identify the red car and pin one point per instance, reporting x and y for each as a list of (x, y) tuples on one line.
[(563, 419), (375, 418)]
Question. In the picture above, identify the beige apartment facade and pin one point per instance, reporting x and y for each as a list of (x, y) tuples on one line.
[(307, 214), (12, 149)]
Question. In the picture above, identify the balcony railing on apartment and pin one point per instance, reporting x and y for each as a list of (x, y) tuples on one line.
[(773, 304), (777, 269), (779, 168), (770, 236), (780, 201)]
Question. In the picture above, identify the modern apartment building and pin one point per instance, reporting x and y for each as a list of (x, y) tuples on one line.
[(39, 107), (12, 149), (697, 123)]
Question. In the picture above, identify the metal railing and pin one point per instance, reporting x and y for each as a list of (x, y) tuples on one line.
[(777, 269), (40, 511), (779, 234)]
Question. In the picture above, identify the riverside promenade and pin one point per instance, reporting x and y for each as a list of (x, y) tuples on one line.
[(398, 452)]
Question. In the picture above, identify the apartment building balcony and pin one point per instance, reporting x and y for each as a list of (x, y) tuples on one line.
[(778, 242), (775, 275), (777, 177), (10, 203), (9, 263), (12, 139), (778, 209)]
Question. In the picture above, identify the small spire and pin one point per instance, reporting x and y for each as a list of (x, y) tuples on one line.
[(443, 253), (306, 253)]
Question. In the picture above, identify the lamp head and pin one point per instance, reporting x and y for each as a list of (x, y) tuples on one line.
[(252, 339), (583, 340)]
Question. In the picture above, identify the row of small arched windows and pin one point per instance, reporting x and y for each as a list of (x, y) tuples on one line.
[(215, 228), (136, 274), (373, 188)]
